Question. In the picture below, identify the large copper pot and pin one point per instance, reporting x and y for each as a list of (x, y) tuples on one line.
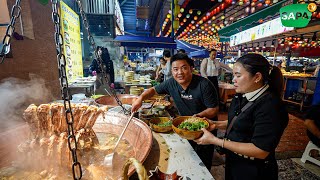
[(138, 135), (110, 100)]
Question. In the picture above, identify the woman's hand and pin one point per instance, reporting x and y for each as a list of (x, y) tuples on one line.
[(206, 138), (212, 124)]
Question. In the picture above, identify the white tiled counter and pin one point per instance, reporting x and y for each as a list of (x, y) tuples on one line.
[(171, 153)]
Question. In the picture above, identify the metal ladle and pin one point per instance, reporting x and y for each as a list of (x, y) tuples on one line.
[(108, 159)]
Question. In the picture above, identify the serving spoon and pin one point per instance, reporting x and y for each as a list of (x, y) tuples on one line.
[(108, 159)]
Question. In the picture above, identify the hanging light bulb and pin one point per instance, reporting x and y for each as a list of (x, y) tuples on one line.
[(251, 48), (253, 9), (257, 47), (282, 42), (301, 39), (247, 9), (272, 44)]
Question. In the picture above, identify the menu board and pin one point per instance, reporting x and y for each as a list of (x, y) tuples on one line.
[(266, 29), (70, 26)]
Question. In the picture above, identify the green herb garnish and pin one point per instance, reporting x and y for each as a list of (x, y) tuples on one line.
[(195, 126)]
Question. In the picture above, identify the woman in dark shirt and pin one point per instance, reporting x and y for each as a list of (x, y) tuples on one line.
[(253, 131), (106, 62), (312, 122)]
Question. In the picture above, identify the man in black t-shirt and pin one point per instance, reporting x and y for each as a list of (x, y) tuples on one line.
[(312, 122), (193, 95)]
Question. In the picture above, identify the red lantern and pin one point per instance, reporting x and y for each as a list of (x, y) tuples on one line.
[(218, 9), (222, 6), (214, 11), (314, 14)]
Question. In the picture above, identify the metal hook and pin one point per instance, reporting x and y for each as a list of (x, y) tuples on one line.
[(4, 51)]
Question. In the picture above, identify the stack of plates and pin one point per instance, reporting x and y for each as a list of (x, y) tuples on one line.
[(121, 72), (134, 90), (128, 76), (148, 80), (135, 81), (142, 80)]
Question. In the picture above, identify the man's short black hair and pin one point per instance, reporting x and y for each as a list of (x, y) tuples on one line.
[(181, 51), (181, 56), (214, 50), (166, 53)]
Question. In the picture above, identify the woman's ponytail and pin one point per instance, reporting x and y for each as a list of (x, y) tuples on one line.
[(275, 81)]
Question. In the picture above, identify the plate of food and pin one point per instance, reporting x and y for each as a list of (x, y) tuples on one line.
[(160, 124), (162, 103), (189, 127)]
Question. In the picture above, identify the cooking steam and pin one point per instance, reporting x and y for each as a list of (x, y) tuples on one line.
[(16, 95)]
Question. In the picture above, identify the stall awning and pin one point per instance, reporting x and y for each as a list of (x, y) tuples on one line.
[(200, 54), (192, 50), (253, 19), (146, 42)]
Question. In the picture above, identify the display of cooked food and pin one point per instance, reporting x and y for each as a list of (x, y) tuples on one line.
[(189, 127), (48, 119), (296, 74), (46, 155), (193, 124), (164, 124), (162, 103), (161, 124)]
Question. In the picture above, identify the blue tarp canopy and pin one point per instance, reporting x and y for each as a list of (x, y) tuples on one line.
[(147, 42), (192, 50)]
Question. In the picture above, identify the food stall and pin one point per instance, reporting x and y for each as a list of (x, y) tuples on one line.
[(135, 76)]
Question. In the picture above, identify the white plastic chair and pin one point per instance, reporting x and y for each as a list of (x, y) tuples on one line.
[(306, 155)]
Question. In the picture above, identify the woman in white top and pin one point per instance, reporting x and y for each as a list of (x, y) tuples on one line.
[(160, 69), (210, 68), (167, 71)]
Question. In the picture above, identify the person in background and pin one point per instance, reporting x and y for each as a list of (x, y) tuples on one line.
[(167, 71), (192, 94), (256, 121), (316, 71), (107, 65), (160, 69), (210, 68), (312, 122)]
